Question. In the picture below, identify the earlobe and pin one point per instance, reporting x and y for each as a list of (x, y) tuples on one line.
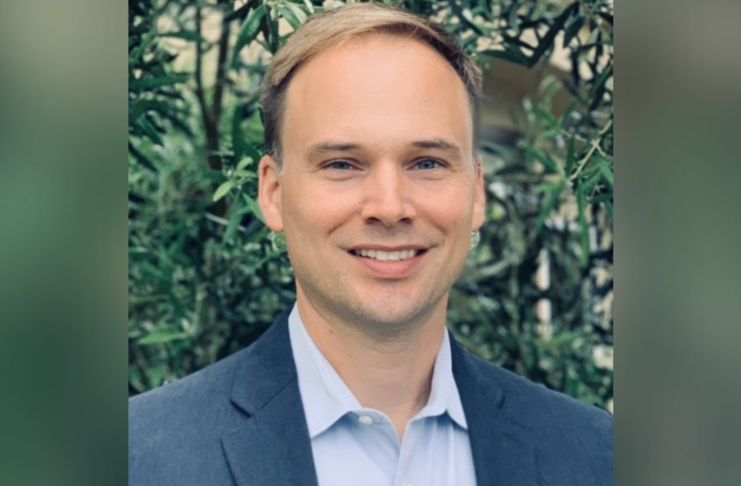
[(269, 190)]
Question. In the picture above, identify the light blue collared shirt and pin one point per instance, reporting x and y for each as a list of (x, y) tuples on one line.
[(357, 446)]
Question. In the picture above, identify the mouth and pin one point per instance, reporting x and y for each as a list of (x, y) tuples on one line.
[(387, 256)]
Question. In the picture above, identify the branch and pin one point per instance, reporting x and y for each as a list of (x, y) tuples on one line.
[(199, 72), (221, 68), (594, 146)]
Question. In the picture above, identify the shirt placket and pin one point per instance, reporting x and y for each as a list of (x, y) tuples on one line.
[(406, 472)]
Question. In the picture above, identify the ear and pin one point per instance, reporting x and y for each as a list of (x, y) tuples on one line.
[(479, 197), (268, 195)]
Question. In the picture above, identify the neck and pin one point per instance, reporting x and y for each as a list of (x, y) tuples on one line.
[(393, 373)]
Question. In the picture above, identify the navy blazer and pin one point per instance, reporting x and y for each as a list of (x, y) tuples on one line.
[(240, 422)]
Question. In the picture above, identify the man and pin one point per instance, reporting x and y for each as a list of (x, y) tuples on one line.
[(371, 175)]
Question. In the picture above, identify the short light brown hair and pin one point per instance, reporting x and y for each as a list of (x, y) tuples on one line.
[(333, 27)]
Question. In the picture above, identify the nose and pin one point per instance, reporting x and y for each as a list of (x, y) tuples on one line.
[(388, 198)]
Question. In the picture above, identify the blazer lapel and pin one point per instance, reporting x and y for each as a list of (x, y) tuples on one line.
[(503, 451), (273, 446)]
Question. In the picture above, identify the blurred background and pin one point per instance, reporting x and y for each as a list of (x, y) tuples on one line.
[(206, 277)]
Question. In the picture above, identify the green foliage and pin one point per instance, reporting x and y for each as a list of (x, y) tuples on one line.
[(206, 277)]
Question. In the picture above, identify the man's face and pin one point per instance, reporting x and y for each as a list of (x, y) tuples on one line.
[(378, 193)]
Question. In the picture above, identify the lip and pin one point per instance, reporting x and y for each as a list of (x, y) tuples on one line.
[(389, 269)]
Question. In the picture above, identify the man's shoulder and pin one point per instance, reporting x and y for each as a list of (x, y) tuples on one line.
[(191, 406), (551, 415), (205, 394), (215, 376), (537, 402), (571, 440), (175, 429), (179, 433)]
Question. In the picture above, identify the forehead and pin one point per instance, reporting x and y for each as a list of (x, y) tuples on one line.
[(377, 88)]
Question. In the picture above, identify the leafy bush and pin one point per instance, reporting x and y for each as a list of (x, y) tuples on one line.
[(206, 277)]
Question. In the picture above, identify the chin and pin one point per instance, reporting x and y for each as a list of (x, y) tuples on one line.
[(391, 315)]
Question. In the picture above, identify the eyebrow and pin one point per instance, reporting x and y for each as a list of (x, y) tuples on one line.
[(329, 147), (324, 148), (438, 144)]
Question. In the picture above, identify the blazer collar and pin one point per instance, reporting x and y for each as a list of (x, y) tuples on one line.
[(503, 451), (273, 445)]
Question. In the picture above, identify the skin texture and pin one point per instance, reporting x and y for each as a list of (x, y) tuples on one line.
[(377, 151)]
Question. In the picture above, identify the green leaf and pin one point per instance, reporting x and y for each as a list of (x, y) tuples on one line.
[(290, 17), (512, 55), (141, 158), (592, 38), (513, 19), (223, 190), (136, 198), (148, 129), (573, 28), (606, 197), (549, 87), (238, 143), (293, 14), (553, 192), (547, 134), (571, 156), (146, 41), (599, 83), (547, 41), (141, 106), (245, 174), (514, 42), (213, 175), (607, 17), (244, 163), (254, 207), (150, 83), (188, 35), (545, 159), (256, 232), (236, 216), (272, 34), (608, 206), (546, 116), (605, 170), (241, 12), (566, 118), (480, 29), (583, 227), (588, 184), (249, 29), (163, 335)]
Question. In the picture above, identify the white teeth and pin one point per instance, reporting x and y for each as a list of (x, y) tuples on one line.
[(383, 256)]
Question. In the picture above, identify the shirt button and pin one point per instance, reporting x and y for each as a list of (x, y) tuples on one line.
[(365, 419), (407, 483)]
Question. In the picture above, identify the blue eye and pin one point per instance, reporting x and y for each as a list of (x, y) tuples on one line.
[(427, 164), (340, 165)]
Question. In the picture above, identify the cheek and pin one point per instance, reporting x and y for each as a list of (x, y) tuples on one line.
[(318, 212), (450, 209)]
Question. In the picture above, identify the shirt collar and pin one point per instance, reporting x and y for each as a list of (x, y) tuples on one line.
[(326, 397)]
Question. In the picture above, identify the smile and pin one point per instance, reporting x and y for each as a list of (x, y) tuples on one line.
[(393, 256)]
